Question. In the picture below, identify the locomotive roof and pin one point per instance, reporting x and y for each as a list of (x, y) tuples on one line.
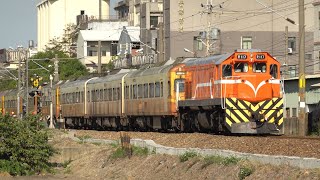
[(151, 71), (215, 59)]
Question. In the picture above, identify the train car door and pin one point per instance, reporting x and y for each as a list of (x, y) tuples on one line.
[(180, 90)]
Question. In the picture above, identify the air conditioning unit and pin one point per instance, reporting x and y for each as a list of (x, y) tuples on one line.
[(289, 50)]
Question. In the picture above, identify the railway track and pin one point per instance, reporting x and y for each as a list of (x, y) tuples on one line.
[(269, 145)]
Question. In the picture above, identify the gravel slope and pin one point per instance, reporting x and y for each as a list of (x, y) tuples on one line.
[(249, 144)]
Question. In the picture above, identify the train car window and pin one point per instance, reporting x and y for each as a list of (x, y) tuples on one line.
[(93, 96), (134, 91), (157, 89), (140, 91), (151, 90), (240, 67), (109, 94), (88, 96), (97, 96), (105, 94), (226, 70), (145, 90), (119, 93), (259, 67), (181, 85), (78, 100), (101, 95), (274, 70), (126, 92), (161, 89), (115, 95), (81, 97)]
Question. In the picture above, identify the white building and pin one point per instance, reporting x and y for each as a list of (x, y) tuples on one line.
[(55, 15), (87, 44)]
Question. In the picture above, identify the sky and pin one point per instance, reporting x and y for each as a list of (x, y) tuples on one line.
[(19, 22)]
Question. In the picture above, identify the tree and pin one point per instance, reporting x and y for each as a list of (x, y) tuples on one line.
[(69, 68), (66, 43), (24, 147)]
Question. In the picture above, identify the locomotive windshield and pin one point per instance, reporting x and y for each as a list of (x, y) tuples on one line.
[(259, 67), (240, 67)]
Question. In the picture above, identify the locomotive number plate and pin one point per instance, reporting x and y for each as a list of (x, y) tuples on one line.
[(260, 56), (242, 56)]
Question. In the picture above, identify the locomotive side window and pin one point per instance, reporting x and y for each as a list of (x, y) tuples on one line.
[(226, 70), (240, 67), (259, 67), (274, 70), (181, 85)]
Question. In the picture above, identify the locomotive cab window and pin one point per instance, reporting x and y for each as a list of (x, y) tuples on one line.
[(180, 86), (226, 70), (259, 67), (240, 67), (274, 70)]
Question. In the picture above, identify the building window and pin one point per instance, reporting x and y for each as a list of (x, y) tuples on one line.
[(153, 21), (246, 42), (292, 43), (198, 45), (92, 53)]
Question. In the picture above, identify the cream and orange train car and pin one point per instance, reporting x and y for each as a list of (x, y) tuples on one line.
[(237, 93)]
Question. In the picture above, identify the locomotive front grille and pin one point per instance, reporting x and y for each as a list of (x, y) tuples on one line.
[(240, 111)]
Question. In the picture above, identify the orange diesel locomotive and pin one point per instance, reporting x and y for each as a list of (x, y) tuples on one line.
[(239, 92)]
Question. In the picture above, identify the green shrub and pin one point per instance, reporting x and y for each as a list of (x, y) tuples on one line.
[(208, 160), (118, 153), (140, 151), (83, 138), (245, 172), (187, 155), (24, 148)]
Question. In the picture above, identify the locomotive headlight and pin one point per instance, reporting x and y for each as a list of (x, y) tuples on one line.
[(180, 73)]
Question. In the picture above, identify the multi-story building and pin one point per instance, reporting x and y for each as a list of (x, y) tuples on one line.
[(108, 33), (55, 15), (10, 57), (122, 9), (241, 24)]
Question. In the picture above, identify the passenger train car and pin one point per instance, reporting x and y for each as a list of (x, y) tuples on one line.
[(239, 92)]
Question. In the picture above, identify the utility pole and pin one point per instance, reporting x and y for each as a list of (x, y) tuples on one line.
[(19, 85), (51, 103), (286, 53), (56, 68), (161, 42), (99, 42), (208, 9), (27, 84), (303, 124)]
